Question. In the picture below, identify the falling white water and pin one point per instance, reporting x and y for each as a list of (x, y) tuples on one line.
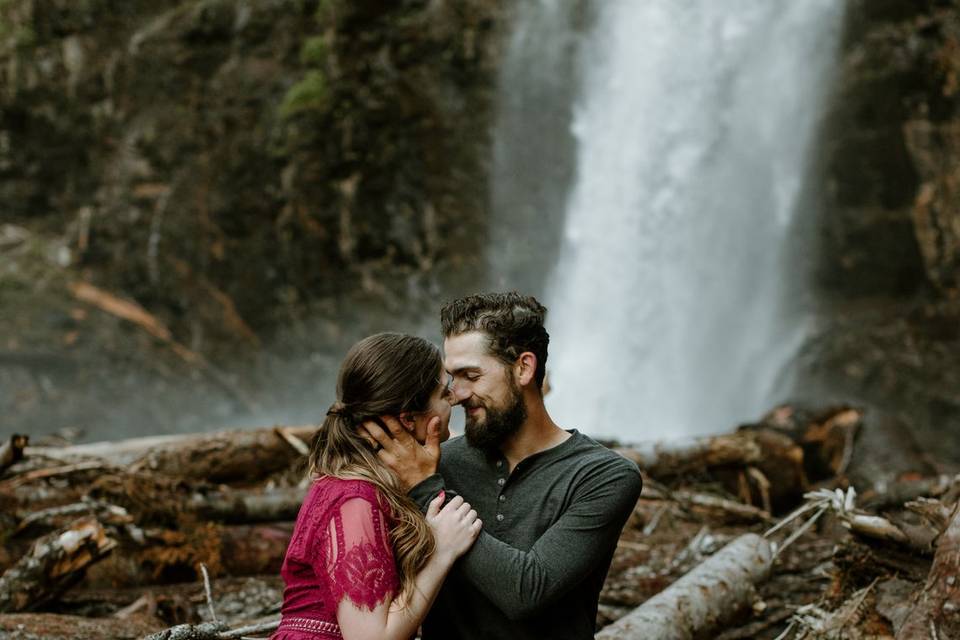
[(667, 308)]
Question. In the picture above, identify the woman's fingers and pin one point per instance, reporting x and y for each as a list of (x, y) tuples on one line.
[(453, 505), (434, 507)]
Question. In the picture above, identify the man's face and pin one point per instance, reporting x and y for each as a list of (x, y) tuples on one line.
[(492, 401)]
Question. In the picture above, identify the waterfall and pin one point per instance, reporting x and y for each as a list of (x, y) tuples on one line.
[(669, 301)]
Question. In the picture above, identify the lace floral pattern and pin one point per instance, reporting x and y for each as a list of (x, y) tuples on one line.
[(340, 549), (365, 575)]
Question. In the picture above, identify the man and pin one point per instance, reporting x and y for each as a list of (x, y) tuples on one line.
[(552, 501)]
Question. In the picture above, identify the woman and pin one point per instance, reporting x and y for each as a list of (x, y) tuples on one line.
[(363, 562)]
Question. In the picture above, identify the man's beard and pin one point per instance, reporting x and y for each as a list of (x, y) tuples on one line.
[(499, 424)]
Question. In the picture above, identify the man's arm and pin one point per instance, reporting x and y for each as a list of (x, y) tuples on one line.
[(522, 583)]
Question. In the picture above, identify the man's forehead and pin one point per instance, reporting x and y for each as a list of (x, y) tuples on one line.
[(466, 350)]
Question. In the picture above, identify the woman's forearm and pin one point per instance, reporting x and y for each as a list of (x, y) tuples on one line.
[(402, 622), (396, 620)]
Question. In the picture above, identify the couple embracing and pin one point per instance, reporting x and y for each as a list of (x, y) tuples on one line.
[(507, 533)]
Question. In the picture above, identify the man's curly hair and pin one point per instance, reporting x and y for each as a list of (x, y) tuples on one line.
[(513, 323)]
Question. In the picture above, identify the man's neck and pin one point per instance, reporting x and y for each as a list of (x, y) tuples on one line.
[(537, 433)]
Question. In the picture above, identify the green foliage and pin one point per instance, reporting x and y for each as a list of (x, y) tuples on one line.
[(313, 53), (308, 94), (25, 37)]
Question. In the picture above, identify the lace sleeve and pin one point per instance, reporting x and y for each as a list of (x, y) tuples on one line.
[(360, 561)]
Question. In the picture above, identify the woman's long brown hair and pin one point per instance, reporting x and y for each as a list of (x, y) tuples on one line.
[(384, 374)]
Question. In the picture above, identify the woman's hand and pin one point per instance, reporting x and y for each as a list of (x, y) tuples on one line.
[(455, 526)]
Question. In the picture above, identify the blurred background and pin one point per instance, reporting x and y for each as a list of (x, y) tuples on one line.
[(725, 204)]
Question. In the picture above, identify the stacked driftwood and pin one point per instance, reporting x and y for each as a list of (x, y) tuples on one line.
[(752, 534)]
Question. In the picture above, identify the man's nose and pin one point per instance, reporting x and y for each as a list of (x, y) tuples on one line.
[(458, 393)]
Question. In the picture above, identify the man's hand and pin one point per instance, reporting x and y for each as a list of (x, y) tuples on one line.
[(412, 462)]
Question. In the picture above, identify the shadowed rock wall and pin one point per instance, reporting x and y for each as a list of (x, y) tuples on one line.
[(888, 267)]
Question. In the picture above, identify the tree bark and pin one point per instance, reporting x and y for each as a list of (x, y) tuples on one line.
[(55, 562), (217, 457), (54, 626), (936, 614), (698, 602), (241, 506)]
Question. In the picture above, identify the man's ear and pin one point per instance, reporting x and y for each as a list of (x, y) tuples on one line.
[(406, 419), (526, 368)]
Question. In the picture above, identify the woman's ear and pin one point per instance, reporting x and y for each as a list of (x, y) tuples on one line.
[(406, 419)]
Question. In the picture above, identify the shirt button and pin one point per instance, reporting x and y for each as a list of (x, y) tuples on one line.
[(499, 463), (502, 498), (501, 481), (499, 517)]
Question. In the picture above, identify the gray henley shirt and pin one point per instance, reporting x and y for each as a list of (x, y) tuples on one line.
[(549, 532)]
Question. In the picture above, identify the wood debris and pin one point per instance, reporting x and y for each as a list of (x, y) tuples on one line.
[(751, 534)]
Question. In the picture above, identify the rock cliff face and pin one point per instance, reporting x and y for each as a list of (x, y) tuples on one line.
[(249, 171), (264, 172), (220, 160), (888, 271)]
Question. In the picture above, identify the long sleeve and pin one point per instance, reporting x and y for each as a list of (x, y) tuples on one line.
[(522, 583)]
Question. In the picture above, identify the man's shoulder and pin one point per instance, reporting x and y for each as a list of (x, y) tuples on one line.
[(589, 449), (599, 462)]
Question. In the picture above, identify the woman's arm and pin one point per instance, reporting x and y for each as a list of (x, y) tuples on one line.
[(455, 527)]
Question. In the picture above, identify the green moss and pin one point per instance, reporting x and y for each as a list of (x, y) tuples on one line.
[(313, 53), (25, 37), (324, 10), (307, 95)]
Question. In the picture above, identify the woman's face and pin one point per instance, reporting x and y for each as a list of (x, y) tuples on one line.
[(440, 405)]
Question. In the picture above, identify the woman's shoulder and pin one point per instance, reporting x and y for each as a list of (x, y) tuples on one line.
[(333, 490)]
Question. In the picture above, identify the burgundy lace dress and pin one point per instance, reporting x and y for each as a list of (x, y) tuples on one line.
[(340, 549)]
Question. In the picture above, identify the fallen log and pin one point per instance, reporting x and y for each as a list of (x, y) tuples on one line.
[(216, 457), (936, 613), (762, 466), (53, 564), (696, 603), (55, 626), (676, 457), (238, 506), (169, 556)]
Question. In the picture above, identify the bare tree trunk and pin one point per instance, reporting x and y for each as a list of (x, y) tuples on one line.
[(237, 505), (217, 457), (699, 601)]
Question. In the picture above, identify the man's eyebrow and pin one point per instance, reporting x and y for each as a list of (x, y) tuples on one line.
[(465, 369)]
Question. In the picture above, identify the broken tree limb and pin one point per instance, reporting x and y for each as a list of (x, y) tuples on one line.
[(729, 509), (936, 613), (105, 513), (216, 457), (54, 562), (710, 593)]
